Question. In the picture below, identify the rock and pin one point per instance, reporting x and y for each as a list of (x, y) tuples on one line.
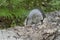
[(49, 30)]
